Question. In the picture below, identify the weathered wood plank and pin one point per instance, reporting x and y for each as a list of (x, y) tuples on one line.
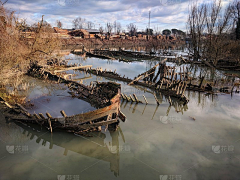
[(73, 68)]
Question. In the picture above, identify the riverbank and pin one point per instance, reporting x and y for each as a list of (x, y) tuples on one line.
[(120, 42)]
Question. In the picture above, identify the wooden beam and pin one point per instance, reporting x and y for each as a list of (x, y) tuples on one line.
[(145, 74), (63, 113), (72, 68)]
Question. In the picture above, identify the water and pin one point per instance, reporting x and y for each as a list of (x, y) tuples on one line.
[(156, 142), (51, 97)]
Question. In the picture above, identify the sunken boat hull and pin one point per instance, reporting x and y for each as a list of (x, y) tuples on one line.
[(108, 116), (104, 96)]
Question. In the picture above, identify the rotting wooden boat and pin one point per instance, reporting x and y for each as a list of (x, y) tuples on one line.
[(163, 80), (104, 96)]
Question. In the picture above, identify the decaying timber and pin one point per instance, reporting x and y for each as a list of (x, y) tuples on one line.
[(167, 80), (120, 55), (104, 96), (164, 81)]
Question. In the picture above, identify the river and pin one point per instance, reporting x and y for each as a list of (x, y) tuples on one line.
[(200, 140)]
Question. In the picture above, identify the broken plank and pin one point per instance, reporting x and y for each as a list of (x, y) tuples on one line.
[(73, 68)]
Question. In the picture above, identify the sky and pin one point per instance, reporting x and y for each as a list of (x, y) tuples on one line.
[(165, 14)]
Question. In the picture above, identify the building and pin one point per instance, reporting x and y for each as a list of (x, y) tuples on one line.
[(63, 33), (93, 33)]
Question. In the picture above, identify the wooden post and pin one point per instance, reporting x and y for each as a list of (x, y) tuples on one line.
[(145, 99), (37, 116), (135, 97), (63, 113), (175, 88), (123, 97), (161, 84), (131, 98), (170, 75), (156, 99), (181, 87), (178, 87), (48, 115), (180, 73), (183, 73), (184, 89), (168, 72), (170, 100), (41, 115), (128, 99), (50, 124)]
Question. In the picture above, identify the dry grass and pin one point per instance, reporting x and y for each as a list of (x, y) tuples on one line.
[(17, 51)]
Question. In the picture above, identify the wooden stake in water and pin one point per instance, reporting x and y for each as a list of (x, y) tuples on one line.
[(48, 115), (135, 97), (41, 115), (63, 113), (50, 124), (145, 99), (131, 98), (123, 97), (156, 99)]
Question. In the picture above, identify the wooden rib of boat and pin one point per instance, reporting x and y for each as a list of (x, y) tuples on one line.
[(104, 96)]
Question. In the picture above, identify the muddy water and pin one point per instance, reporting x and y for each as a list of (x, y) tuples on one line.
[(48, 96), (198, 141)]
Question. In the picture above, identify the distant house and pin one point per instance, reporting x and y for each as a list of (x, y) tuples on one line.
[(61, 32), (115, 37), (122, 35), (92, 32), (28, 32), (159, 36), (85, 33)]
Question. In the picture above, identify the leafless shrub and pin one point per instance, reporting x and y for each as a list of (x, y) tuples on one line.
[(210, 28), (18, 50)]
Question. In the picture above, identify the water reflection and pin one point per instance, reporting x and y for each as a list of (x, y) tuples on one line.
[(102, 145), (157, 147), (201, 100), (51, 97)]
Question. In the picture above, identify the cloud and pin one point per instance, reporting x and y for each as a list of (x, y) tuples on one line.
[(164, 13)]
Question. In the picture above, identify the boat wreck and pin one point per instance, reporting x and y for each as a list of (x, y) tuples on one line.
[(104, 96), (164, 80)]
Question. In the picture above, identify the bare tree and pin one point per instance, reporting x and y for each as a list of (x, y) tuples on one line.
[(59, 24), (156, 30), (109, 27), (101, 30), (78, 23), (236, 16), (119, 27), (207, 26), (115, 26), (132, 29), (90, 25)]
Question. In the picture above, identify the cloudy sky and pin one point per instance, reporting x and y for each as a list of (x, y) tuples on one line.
[(164, 13)]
